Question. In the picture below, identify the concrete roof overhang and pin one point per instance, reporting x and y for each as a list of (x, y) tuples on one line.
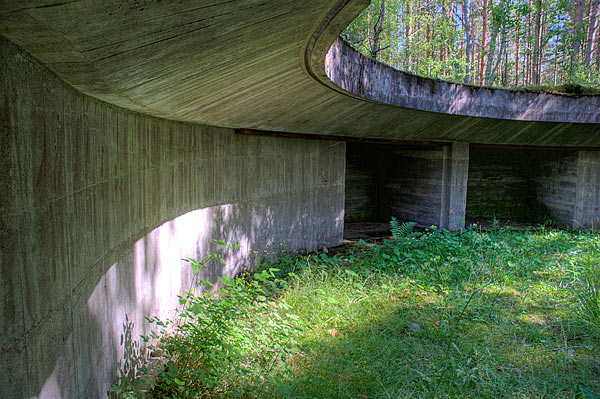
[(268, 65)]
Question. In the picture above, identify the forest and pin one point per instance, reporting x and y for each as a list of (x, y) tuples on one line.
[(546, 44)]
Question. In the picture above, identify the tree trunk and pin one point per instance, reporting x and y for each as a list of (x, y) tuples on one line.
[(555, 68), (501, 53), (474, 57), (377, 31), (517, 60), (489, 74), (598, 51), (578, 27), (483, 41), (592, 32), (468, 44), (541, 45), (535, 78), (428, 30), (529, 45), (443, 42), (408, 47)]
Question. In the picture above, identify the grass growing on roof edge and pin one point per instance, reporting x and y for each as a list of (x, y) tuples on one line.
[(480, 314)]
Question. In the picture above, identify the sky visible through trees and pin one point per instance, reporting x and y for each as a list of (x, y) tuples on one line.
[(511, 43)]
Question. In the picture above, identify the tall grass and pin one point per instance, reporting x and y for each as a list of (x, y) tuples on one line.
[(588, 294), (475, 314)]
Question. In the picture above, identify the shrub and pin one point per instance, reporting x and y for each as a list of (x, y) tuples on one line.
[(217, 335)]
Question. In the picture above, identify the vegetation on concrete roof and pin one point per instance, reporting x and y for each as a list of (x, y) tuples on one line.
[(547, 45)]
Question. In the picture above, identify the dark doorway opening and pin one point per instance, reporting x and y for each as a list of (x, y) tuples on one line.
[(385, 180), (520, 186)]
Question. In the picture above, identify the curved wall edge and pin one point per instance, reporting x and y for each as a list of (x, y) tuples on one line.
[(100, 205), (335, 64)]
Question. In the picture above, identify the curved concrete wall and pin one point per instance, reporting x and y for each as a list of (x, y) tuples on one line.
[(99, 205), (368, 79)]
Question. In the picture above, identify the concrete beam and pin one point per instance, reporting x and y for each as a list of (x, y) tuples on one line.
[(366, 78)]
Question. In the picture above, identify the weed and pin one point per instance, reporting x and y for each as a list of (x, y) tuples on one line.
[(133, 371), (219, 339)]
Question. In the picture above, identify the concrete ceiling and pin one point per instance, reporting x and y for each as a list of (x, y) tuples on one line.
[(255, 64)]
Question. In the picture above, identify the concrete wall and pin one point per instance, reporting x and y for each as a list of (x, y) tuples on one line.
[(455, 176), (99, 205), (424, 184), (569, 189), (555, 180), (498, 183), (366, 78), (587, 198)]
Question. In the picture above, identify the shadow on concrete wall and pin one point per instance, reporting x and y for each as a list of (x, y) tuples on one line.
[(101, 205), (146, 280)]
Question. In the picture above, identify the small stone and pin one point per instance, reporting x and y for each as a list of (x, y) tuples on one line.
[(325, 250), (415, 327)]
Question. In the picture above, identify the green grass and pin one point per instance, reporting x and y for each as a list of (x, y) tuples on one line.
[(496, 314)]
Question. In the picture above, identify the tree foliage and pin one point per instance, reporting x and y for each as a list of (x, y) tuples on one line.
[(500, 43)]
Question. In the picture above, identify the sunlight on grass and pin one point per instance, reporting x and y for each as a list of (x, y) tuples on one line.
[(475, 314)]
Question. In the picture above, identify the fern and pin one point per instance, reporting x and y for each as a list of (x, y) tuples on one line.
[(401, 231)]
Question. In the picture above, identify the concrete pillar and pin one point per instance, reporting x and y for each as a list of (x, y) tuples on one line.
[(586, 214), (455, 175)]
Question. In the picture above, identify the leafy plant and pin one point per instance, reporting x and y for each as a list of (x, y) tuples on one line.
[(198, 264), (217, 336), (133, 371)]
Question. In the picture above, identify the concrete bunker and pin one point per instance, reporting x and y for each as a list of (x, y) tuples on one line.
[(121, 163)]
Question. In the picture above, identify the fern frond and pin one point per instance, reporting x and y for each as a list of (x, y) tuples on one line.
[(401, 230)]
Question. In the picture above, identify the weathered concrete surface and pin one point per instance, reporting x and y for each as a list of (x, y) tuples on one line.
[(414, 189), (366, 78), (571, 190), (535, 185), (556, 185), (99, 205), (499, 183), (255, 65)]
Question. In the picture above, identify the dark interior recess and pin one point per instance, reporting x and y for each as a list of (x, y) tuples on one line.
[(365, 176), (529, 185), (385, 180), (405, 181)]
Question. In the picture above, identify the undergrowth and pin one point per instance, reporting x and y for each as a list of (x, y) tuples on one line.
[(501, 313)]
